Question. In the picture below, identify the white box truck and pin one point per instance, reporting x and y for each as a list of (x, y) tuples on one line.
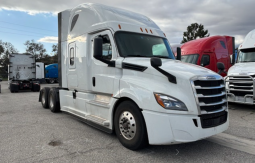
[(22, 73), (117, 73), (240, 81)]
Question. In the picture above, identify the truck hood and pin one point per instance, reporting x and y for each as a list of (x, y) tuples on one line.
[(177, 68), (242, 69)]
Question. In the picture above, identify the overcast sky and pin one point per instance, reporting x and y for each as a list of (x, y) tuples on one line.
[(18, 19)]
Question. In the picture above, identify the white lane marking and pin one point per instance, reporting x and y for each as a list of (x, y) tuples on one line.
[(234, 142)]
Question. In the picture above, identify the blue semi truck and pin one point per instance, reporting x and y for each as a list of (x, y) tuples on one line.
[(51, 73)]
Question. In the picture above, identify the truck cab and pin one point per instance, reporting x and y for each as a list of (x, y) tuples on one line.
[(51, 73), (207, 52), (240, 81), (117, 72)]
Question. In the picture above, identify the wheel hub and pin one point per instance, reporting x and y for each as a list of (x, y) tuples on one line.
[(127, 125)]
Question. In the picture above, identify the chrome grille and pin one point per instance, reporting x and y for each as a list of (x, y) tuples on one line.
[(210, 94), (241, 84)]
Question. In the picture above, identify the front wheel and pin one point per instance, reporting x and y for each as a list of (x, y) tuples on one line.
[(129, 126)]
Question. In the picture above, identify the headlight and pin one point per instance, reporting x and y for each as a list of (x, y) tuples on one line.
[(170, 103)]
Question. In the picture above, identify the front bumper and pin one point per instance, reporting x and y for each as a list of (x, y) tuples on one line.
[(165, 129)]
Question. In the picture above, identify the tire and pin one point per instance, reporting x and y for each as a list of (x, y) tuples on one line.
[(51, 81), (47, 81), (44, 97), (132, 134), (53, 100)]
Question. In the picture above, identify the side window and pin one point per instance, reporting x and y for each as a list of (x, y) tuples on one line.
[(205, 60), (107, 47), (72, 56), (223, 44), (75, 18)]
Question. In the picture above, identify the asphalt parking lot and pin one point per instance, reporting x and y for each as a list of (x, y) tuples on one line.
[(30, 133)]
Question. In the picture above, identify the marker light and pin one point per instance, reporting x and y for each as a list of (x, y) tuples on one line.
[(146, 30), (141, 29), (119, 26), (151, 32), (164, 34)]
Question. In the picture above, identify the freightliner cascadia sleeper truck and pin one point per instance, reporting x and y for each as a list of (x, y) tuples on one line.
[(117, 73), (208, 51), (241, 77), (22, 73)]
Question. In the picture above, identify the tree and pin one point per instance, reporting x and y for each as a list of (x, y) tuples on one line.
[(193, 32), (6, 49), (36, 49), (55, 49)]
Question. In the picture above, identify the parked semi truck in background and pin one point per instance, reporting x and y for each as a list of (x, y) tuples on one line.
[(22, 73), (40, 72), (51, 73), (207, 52), (241, 77), (118, 73)]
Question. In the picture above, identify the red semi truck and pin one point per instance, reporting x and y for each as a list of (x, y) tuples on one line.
[(207, 52)]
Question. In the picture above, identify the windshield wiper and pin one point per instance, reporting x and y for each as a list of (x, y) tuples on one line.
[(157, 56), (247, 61), (161, 56), (136, 56)]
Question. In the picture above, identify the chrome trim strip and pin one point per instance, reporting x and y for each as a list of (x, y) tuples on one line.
[(199, 87), (241, 90), (211, 104), (216, 111), (216, 95)]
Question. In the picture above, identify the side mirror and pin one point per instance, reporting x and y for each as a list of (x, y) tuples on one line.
[(205, 61), (221, 68), (179, 55), (98, 48), (98, 52), (156, 62), (233, 59)]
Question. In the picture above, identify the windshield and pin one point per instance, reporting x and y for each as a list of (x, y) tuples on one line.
[(140, 45), (190, 58), (246, 55)]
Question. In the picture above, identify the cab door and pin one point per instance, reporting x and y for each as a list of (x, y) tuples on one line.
[(104, 78), (72, 81), (103, 75)]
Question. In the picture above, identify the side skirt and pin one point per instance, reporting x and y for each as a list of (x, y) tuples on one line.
[(93, 124)]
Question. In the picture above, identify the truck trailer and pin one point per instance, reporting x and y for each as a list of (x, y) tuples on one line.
[(208, 51), (117, 72), (22, 73), (40, 72), (240, 81)]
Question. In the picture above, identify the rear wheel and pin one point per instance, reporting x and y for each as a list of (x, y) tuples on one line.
[(130, 126), (53, 100), (44, 97)]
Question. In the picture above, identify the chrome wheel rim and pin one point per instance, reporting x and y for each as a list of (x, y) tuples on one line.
[(51, 101), (43, 98), (127, 125)]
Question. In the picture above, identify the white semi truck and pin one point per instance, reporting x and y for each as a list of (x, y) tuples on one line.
[(240, 81), (22, 73), (117, 73)]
